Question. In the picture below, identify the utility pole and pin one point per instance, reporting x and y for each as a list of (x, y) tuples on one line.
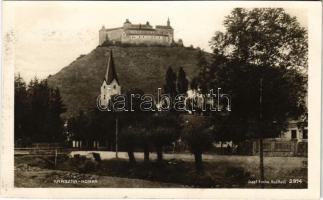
[(55, 162), (117, 130), (261, 146)]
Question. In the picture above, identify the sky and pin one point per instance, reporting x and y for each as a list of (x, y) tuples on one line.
[(48, 36)]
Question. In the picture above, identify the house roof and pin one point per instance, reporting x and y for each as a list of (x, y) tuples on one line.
[(111, 73)]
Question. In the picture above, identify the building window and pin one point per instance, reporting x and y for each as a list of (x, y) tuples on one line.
[(305, 136), (293, 132), (103, 96), (114, 87)]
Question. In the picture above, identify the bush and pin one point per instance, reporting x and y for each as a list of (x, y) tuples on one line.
[(199, 139), (87, 166), (237, 175), (83, 165), (204, 180)]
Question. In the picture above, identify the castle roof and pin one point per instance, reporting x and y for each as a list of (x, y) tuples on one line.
[(111, 29), (111, 73), (140, 26), (163, 27)]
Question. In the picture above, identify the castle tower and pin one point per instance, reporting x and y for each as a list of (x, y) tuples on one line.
[(110, 85), (102, 35)]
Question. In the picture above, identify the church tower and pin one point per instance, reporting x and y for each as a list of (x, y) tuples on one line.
[(110, 85)]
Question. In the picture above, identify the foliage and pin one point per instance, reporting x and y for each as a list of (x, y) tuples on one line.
[(204, 77), (262, 53), (93, 125), (80, 81), (129, 139), (135, 134), (37, 112), (263, 36), (283, 97), (170, 85), (238, 175), (164, 130), (197, 134), (182, 82), (21, 111)]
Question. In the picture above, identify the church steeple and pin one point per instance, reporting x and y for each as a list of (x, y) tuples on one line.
[(168, 22), (111, 73), (110, 85)]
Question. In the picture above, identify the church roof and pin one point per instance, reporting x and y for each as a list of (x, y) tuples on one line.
[(111, 73)]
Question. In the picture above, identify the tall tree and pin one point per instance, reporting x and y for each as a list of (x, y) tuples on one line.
[(56, 108), (198, 136), (204, 76), (263, 54), (37, 112), (129, 138), (82, 128), (182, 82), (264, 37), (102, 127), (21, 112), (170, 83), (136, 121), (164, 130)]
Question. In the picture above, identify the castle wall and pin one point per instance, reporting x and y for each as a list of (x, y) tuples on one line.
[(102, 36), (138, 34), (147, 39), (113, 35)]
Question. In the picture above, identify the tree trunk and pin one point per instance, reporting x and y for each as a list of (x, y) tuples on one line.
[(261, 163), (221, 148), (132, 159), (159, 154), (198, 162), (146, 153)]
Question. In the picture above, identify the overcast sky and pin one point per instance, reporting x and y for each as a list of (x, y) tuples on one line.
[(50, 35)]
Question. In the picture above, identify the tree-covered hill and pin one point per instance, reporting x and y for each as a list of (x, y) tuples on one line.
[(137, 67)]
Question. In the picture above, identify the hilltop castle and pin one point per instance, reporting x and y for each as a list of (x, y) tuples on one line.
[(139, 34)]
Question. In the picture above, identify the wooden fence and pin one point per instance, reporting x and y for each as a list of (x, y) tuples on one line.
[(274, 147)]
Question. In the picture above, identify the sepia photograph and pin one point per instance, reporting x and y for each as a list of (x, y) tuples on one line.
[(166, 94)]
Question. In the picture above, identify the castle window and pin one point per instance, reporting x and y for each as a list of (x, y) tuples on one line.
[(103, 96), (293, 134), (114, 87), (305, 136)]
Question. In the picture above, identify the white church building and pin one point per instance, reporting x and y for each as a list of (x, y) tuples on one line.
[(110, 85)]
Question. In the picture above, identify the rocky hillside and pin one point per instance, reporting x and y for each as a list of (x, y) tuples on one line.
[(137, 67)]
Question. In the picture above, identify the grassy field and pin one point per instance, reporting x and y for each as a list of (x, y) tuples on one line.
[(177, 171), (49, 178)]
